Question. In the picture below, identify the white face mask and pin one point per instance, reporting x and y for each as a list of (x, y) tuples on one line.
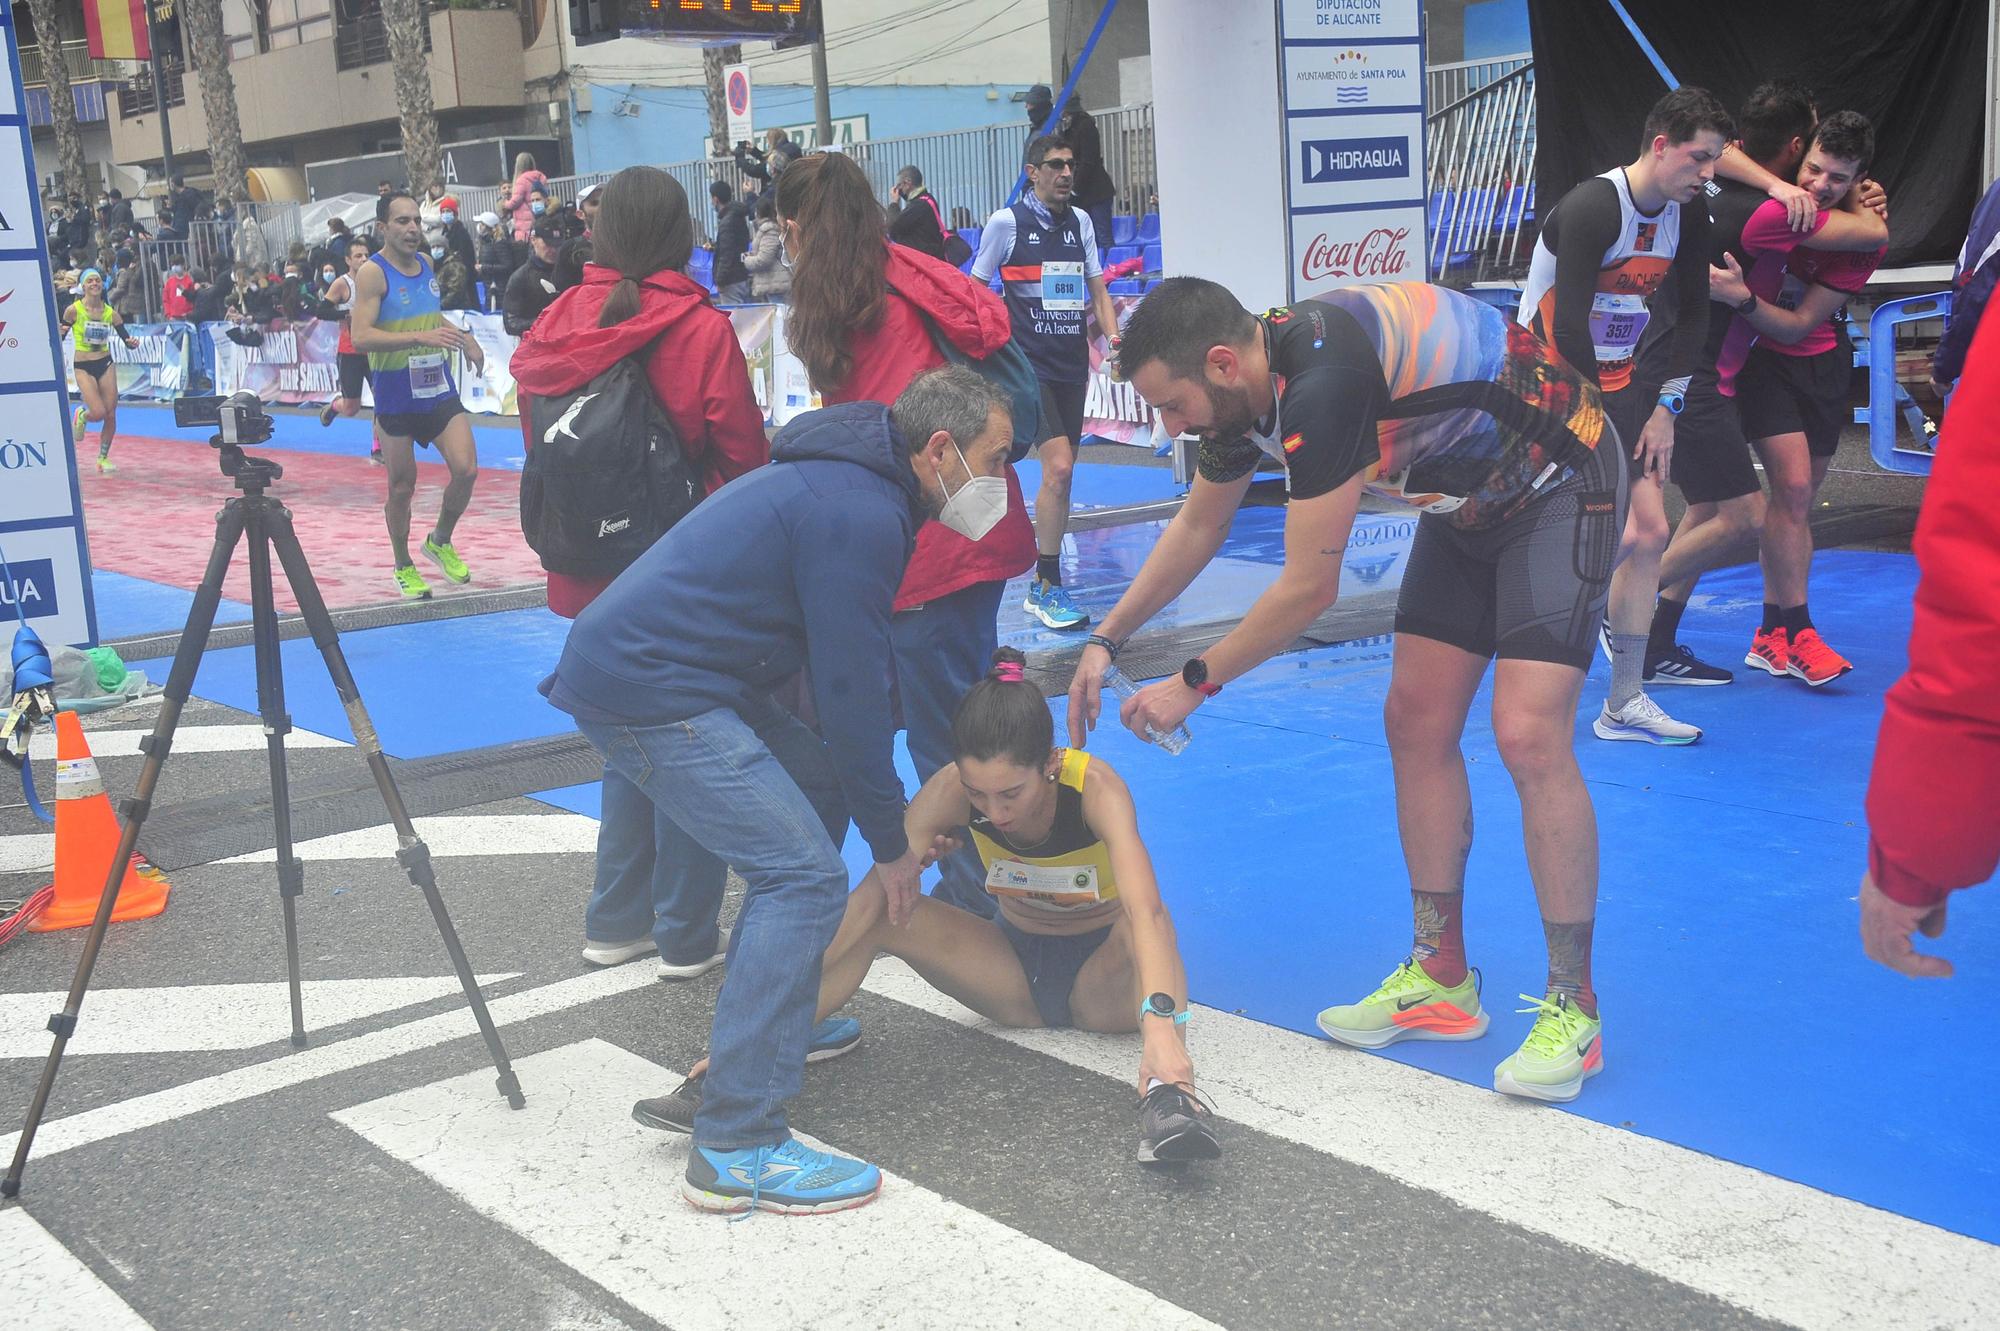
[(979, 504)]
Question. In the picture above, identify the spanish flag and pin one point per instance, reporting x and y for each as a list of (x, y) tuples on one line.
[(116, 30)]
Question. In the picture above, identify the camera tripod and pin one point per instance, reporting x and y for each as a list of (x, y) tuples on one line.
[(268, 524)]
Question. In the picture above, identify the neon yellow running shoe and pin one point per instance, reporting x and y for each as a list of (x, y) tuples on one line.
[(1563, 1049), (105, 466), (79, 422), (411, 583), (447, 560), (1409, 1005)]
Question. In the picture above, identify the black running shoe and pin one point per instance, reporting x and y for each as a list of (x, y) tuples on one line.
[(672, 1113), (1681, 666), (1174, 1127)]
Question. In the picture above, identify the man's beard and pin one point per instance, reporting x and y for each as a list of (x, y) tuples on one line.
[(1231, 413)]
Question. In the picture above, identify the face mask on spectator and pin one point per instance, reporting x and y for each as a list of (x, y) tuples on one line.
[(448, 215), (326, 275), (976, 507), (437, 251), (537, 207)]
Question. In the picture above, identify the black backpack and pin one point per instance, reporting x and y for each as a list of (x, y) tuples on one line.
[(606, 474)]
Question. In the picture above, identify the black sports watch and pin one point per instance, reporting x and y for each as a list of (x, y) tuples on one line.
[(1747, 304), (1195, 675)]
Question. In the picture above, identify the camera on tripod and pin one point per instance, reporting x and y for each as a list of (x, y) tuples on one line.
[(239, 418)]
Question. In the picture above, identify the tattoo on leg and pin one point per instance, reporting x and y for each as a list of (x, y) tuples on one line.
[(1569, 957), (1465, 847)]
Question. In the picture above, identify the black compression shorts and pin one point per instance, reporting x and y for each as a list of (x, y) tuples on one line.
[(1062, 409), (353, 373), (422, 427), (1532, 588)]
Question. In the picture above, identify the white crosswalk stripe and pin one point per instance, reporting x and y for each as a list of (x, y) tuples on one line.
[(571, 1175), (46, 1288), (1778, 1248), (187, 739), (450, 836)]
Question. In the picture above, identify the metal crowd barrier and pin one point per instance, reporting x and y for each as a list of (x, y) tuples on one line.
[(1481, 155)]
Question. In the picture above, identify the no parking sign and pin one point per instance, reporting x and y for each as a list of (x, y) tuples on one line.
[(736, 95), (41, 509)]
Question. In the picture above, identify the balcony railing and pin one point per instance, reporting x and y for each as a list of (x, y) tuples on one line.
[(364, 39), (76, 59), (136, 97)]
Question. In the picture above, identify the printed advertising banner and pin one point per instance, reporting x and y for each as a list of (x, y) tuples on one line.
[(157, 369), (41, 506), (1114, 412), (1352, 99)]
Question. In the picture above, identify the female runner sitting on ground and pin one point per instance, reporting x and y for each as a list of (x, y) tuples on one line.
[(1082, 937)]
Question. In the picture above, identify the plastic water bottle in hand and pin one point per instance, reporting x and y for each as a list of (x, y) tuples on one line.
[(1173, 741)]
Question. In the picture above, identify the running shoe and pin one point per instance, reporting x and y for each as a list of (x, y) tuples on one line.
[(615, 954), (675, 1111), (447, 560), (105, 466), (326, 414), (790, 1178), (1409, 1005), (79, 422), (1050, 602), (1813, 661), (690, 970), (1681, 666), (1175, 1126), (1769, 652), (1604, 641), (1641, 719), (375, 456), (1561, 1051), (411, 583)]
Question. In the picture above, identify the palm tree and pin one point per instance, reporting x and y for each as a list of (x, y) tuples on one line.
[(713, 58), (404, 21), (69, 139), (203, 19)]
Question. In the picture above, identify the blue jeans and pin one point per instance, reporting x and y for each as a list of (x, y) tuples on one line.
[(737, 786), (943, 648), (653, 878)]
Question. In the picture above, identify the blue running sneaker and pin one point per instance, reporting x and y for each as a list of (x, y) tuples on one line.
[(675, 1111), (1050, 602), (832, 1038), (790, 1178)]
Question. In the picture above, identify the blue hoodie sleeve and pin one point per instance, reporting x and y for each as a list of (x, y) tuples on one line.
[(849, 557)]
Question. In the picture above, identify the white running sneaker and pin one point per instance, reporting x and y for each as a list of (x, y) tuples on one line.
[(669, 971), (1642, 719)]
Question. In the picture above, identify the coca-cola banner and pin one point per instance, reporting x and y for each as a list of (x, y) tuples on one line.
[(1353, 100)]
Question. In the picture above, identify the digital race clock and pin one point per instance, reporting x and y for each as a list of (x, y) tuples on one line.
[(724, 20)]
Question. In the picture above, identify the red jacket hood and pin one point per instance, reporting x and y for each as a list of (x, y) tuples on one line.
[(969, 314), (565, 349)]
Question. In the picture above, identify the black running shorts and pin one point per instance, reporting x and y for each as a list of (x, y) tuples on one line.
[(1062, 409), (422, 427), (353, 373), (1806, 395), (1711, 454), (1531, 589)]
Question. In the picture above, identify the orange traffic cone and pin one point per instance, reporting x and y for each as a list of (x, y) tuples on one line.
[(86, 837)]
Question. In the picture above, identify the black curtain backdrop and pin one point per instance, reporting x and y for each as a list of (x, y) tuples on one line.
[(1915, 68)]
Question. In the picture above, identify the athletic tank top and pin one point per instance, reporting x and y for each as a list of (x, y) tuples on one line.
[(418, 378), (1046, 295), (1065, 877), (90, 336), (1629, 272), (346, 307)]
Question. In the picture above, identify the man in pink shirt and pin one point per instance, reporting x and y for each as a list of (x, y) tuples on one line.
[(1788, 368)]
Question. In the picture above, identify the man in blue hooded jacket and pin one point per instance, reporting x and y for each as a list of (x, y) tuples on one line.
[(669, 674)]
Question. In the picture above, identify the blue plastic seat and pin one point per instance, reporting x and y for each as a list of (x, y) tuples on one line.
[(1154, 262), (1126, 286), (1149, 229), (1124, 229), (1118, 254)]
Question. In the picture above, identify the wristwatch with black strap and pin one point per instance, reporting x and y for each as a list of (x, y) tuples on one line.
[(1195, 675)]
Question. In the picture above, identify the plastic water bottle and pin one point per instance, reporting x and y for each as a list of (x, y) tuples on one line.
[(1173, 741)]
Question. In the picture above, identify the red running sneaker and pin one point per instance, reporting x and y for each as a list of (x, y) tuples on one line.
[(1813, 661), (1769, 652)]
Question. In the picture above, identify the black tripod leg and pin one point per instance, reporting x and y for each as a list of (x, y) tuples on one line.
[(277, 724), (180, 682), (411, 853)]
